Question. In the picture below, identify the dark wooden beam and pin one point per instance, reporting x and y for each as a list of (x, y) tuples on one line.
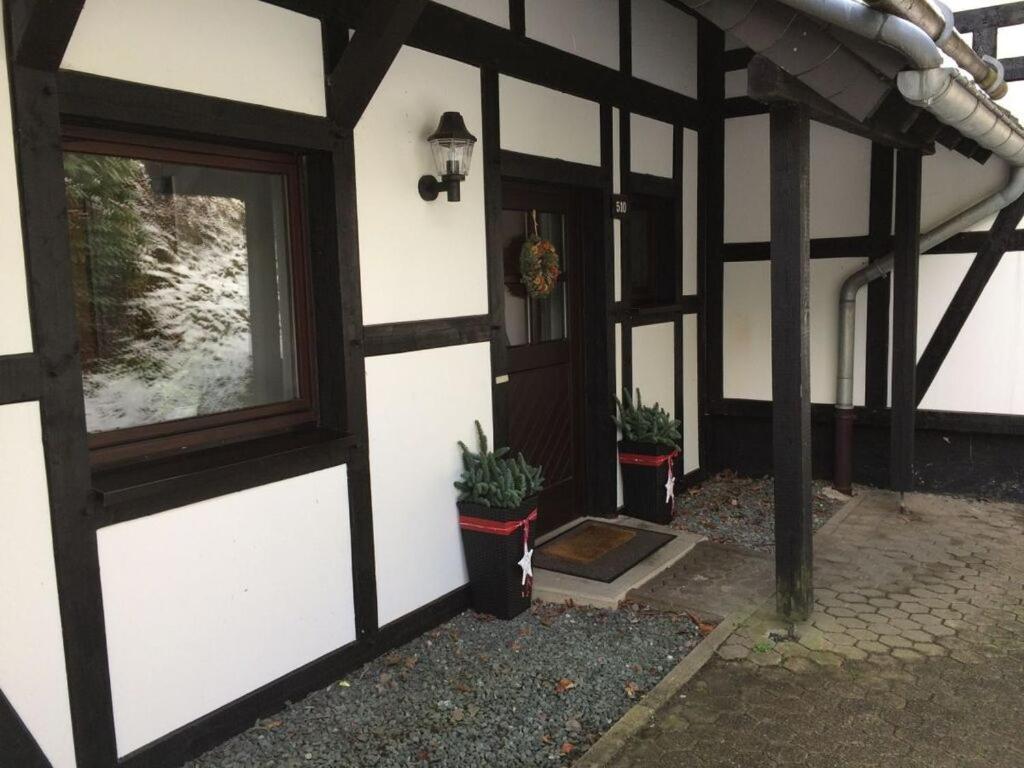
[(904, 318), (791, 420), (517, 17), (967, 295), (20, 749), (994, 15), (383, 28), (769, 84), (41, 31), (985, 41), (392, 338), (876, 370)]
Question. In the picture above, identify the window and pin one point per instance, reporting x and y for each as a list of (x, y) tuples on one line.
[(652, 256), (191, 293)]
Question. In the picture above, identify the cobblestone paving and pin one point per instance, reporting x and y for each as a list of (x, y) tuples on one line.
[(914, 655)]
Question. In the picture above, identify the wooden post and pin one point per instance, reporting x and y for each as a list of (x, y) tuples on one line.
[(791, 412), (904, 319)]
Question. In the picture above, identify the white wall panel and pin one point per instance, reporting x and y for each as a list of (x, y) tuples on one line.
[(952, 183), (984, 370), (418, 260), (208, 602), (690, 207), (665, 46), (493, 11), (650, 146), (735, 83), (585, 28), (419, 404), (541, 121), (233, 49), (691, 401), (840, 181), (32, 673), (654, 364), (15, 327), (747, 330)]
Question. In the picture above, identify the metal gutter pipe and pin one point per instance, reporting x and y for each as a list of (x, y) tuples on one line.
[(936, 19)]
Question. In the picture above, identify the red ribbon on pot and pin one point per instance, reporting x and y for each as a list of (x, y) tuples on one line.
[(482, 525), (645, 460)]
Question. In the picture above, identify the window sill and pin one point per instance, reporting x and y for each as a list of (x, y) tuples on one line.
[(127, 493)]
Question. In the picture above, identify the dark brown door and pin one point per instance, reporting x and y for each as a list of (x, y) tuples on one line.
[(544, 347)]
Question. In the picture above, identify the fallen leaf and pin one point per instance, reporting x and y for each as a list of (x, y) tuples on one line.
[(568, 747), (564, 685), (462, 688), (545, 738), (344, 684), (632, 689), (704, 627)]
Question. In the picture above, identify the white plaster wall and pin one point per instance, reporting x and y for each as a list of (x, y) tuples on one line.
[(840, 181), (735, 83), (234, 49), (650, 146), (418, 259), (654, 364), (984, 371), (746, 334), (419, 404), (578, 121), (493, 11), (32, 672), (586, 28), (208, 602), (691, 401), (665, 46), (952, 183), (15, 328), (690, 207)]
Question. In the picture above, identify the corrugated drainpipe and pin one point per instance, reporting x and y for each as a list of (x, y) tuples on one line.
[(949, 97)]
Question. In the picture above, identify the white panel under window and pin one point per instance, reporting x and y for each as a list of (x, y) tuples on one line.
[(418, 259), (650, 146), (747, 337), (840, 181), (586, 28), (690, 208), (735, 83), (665, 46), (1010, 41), (208, 602), (419, 404), (15, 327), (691, 399), (493, 11), (952, 183), (541, 121), (654, 364), (32, 672), (984, 372), (233, 49)]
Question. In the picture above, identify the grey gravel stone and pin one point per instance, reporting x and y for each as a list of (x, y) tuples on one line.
[(736, 510), (535, 691)]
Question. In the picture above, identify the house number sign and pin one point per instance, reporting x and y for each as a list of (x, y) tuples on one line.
[(620, 206)]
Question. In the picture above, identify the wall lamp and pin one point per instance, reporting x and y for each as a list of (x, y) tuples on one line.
[(452, 146)]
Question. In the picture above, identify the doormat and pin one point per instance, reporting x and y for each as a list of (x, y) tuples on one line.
[(598, 551)]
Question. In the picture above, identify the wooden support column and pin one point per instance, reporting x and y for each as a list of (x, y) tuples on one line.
[(904, 319), (791, 412)]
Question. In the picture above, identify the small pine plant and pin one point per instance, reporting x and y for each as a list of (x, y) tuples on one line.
[(494, 479), (646, 423)]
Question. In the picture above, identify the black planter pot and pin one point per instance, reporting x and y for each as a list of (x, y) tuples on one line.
[(495, 578), (643, 488)]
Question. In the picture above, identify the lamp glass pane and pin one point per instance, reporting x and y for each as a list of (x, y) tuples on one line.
[(452, 156)]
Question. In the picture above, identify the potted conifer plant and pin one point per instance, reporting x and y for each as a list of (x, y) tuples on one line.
[(647, 452), (497, 511)]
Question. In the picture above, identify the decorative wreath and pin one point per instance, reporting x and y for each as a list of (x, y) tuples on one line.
[(538, 264)]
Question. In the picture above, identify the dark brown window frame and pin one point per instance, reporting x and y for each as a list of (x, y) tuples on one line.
[(151, 441)]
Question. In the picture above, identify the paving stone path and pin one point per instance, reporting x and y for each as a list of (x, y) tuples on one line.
[(914, 655)]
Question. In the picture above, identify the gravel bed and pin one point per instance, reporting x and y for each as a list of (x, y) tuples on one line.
[(736, 510), (537, 690)]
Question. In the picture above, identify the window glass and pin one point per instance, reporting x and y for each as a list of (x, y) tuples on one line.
[(183, 287)]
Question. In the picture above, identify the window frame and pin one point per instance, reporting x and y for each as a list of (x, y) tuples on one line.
[(157, 440)]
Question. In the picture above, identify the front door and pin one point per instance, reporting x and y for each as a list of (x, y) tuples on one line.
[(544, 347)]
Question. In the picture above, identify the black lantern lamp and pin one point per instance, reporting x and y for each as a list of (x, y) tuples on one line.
[(452, 146)]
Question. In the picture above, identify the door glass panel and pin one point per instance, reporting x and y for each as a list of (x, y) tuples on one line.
[(533, 320)]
